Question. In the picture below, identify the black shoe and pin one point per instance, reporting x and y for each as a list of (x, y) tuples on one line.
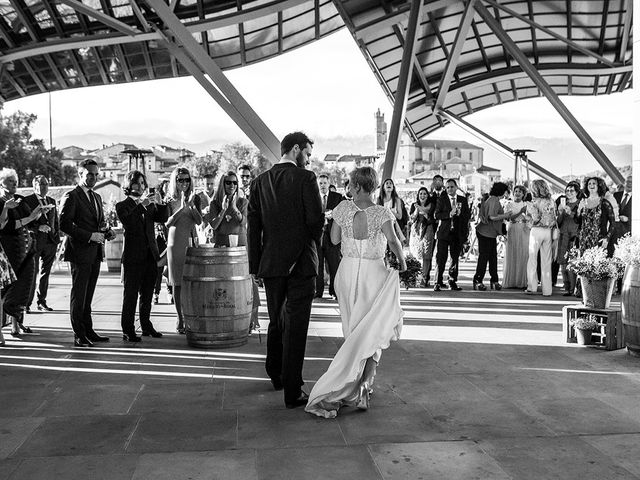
[(298, 402), (454, 286), (277, 384), (82, 342), (43, 307), (439, 286), (25, 329), (496, 286), (133, 338), (151, 333), (479, 285), (27, 310), (94, 337)]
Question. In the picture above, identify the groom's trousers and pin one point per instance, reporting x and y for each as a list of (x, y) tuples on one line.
[(289, 302)]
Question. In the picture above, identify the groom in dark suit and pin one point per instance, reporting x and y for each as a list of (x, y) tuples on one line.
[(82, 220), (285, 221)]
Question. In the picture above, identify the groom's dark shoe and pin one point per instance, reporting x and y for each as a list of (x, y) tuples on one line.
[(277, 383), (298, 402)]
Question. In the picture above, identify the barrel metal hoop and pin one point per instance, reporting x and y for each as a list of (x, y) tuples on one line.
[(216, 279), (211, 261)]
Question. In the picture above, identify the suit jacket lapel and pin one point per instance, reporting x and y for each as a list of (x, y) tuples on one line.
[(85, 199)]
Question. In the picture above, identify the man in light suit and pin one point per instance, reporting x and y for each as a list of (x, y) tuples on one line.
[(46, 231), (285, 221), (327, 251), (453, 212), (82, 220)]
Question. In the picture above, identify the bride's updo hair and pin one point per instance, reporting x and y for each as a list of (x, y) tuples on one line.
[(364, 177)]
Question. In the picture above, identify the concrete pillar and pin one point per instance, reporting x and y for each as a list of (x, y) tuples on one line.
[(635, 149)]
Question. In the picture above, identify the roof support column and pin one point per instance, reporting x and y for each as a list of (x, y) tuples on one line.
[(548, 92), (402, 92), (228, 97)]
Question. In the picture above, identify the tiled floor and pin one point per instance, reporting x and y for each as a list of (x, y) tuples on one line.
[(481, 386)]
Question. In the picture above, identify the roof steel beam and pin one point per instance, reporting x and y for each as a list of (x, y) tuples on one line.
[(454, 56), (550, 32), (101, 17), (257, 130), (626, 31), (548, 92), (22, 15), (34, 75), (402, 91)]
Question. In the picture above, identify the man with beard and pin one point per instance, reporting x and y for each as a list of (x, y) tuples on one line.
[(285, 221)]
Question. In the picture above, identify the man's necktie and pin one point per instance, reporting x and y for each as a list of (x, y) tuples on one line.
[(324, 202)]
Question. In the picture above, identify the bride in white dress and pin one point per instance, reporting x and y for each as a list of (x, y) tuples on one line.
[(368, 295)]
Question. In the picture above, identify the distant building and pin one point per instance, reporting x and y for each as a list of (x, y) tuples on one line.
[(350, 161), (380, 138)]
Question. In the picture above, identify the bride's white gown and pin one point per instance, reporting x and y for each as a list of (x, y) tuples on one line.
[(369, 299)]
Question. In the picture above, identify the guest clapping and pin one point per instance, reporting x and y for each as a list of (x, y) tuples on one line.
[(542, 211), (228, 213), (517, 251), (388, 197), (568, 224), (422, 234), (184, 211), (596, 215), (140, 255)]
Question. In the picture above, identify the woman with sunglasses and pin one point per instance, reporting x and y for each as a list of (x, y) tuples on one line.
[(228, 212), (184, 215)]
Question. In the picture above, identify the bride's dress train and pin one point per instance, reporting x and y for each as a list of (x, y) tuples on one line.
[(369, 300)]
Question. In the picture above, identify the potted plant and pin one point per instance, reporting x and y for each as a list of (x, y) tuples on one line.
[(597, 274), (628, 251), (584, 326)]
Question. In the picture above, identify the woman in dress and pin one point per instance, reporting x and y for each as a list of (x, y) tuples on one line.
[(517, 252), (184, 215), (568, 225), (368, 297), (596, 216), (492, 217), (389, 198), (19, 248), (542, 212), (422, 231), (228, 216)]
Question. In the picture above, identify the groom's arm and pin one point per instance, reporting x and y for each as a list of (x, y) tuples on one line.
[(314, 218), (254, 228)]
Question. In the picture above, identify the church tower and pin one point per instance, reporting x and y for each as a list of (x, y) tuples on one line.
[(380, 139)]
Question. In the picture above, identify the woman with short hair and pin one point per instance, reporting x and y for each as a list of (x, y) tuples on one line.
[(569, 227), (542, 212)]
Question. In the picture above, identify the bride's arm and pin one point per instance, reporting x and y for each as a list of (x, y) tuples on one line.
[(394, 243), (336, 233)]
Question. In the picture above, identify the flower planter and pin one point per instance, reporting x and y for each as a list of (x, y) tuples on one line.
[(630, 300), (597, 293), (583, 336)]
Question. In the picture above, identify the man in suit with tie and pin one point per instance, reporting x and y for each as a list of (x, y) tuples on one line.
[(623, 226), (140, 253), (46, 232), (453, 212), (82, 220), (285, 221), (327, 251)]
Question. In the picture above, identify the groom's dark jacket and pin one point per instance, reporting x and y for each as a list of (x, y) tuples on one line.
[(285, 221)]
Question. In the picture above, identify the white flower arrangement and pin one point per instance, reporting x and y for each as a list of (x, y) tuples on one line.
[(594, 264), (628, 250), (585, 322)]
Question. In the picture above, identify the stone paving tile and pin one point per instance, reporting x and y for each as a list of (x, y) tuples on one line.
[(79, 435), (318, 463), (14, 432), (74, 399), (623, 450), (222, 465), (94, 467), (7, 467), (258, 395), (282, 429), (560, 457), (177, 397), (198, 430), (572, 416), (528, 386), (22, 401), (436, 460), (430, 387), (404, 423)]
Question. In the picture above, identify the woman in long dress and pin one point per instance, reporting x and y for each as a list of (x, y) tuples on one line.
[(421, 238), (596, 216), (515, 260), (184, 215), (368, 296), (569, 227)]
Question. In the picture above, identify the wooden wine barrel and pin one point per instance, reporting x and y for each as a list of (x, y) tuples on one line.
[(217, 296), (113, 251), (630, 300)]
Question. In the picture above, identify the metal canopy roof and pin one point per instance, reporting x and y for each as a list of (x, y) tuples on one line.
[(49, 45), (580, 47)]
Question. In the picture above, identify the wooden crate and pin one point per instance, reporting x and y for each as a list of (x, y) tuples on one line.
[(609, 331)]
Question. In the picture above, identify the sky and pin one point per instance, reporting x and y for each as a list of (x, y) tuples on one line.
[(325, 88)]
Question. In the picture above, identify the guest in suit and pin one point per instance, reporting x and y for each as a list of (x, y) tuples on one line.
[(327, 252), (453, 212), (623, 227), (46, 231), (285, 224), (206, 197), (82, 221), (245, 176), (140, 254)]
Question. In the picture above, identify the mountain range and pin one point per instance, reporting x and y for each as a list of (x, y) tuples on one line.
[(563, 156)]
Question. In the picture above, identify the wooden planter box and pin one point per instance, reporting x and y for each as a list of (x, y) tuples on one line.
[(608, 333)]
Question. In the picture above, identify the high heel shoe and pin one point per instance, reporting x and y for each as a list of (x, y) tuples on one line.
[(25, 329), (363, 397), (496, 286), (479, 285)]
